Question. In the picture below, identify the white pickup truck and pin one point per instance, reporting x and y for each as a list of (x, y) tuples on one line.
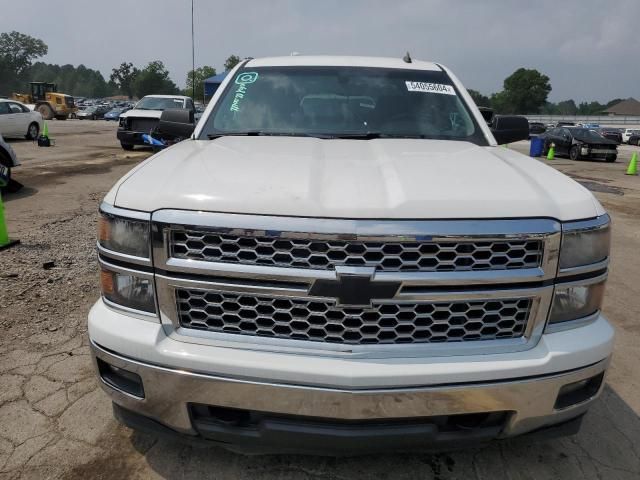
[(341, 258), (144, 117)]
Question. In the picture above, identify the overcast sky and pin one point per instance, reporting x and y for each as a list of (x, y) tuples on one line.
[(590, 49)]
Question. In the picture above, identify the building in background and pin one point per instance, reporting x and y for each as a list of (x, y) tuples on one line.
[(628, 107)]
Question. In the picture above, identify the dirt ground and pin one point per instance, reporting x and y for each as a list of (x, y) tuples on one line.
[(55, 422)]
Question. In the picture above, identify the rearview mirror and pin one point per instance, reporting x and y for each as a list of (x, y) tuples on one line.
[(509, 128), (176, 123)]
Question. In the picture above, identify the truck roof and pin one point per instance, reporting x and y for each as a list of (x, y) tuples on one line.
[(167, 96), (341, 61)]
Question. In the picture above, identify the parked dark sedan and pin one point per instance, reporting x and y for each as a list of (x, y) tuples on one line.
[(612, 134), (634, 139), (578, 143), (93, 112), (536, 128)]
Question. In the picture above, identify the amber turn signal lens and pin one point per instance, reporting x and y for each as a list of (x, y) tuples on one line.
[(104, 230), (106, 282)]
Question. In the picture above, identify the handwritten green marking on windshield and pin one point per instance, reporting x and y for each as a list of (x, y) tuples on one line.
[(242, 81)]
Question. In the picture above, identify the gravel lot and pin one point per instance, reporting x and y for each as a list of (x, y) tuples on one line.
[(55, 422)]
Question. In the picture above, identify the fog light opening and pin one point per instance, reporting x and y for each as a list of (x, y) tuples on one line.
[(120, 379), (472, 421), (221, 415), (578, 392)]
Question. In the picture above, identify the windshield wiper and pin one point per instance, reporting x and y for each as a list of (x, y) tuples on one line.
[(346, 136), (372, 135), (249, 133), (260, 133)]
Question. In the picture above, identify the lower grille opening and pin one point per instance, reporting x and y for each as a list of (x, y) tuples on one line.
[(202, 415), (578, 392)]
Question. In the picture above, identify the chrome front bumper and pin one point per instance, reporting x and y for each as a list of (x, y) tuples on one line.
[(169, 392)]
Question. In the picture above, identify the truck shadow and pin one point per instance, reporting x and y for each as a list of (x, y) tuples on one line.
[(608, 446), (15, 190)]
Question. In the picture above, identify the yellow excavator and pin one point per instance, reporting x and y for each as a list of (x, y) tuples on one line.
[(46, 100)]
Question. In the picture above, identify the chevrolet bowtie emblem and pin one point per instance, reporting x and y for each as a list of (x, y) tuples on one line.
[(353, 288)]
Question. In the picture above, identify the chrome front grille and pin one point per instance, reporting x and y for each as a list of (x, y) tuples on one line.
[(321, 321), (354, 287), (386, 256)]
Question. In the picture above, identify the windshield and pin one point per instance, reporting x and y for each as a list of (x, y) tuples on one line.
[(155, 103), (586, 134), (351, 102)]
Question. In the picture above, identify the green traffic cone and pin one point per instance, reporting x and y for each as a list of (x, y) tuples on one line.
[(4, 233), (43, 139), (633, 165), (552, 152)]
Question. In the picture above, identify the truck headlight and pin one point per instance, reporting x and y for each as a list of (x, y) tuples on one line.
[(584, 255), (124, 235), (585, 243), (128, 290), (575, 302)]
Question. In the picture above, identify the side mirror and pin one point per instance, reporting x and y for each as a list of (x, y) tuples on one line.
[(176, 123), (509, 128)]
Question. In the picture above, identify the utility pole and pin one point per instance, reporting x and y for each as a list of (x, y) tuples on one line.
[(193, 57)]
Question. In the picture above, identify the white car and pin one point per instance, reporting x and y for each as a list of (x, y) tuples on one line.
[(628, 133), (144, 117), (18, 121), (341, 258)]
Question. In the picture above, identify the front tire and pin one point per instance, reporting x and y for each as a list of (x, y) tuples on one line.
[(32, 131), (574, 153), (126, 146), (611, 158)]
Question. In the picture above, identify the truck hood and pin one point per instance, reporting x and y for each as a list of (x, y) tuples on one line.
[(380, 178), (142, 114)]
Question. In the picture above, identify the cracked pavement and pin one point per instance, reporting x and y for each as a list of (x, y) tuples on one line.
[(55, 421)]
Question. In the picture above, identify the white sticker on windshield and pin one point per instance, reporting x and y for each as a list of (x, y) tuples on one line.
[(430, 88)]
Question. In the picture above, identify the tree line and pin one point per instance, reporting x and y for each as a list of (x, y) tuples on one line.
[(525, 91), (18, 67)]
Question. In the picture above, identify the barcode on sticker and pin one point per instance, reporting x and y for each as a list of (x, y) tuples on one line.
[(430, 88)]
